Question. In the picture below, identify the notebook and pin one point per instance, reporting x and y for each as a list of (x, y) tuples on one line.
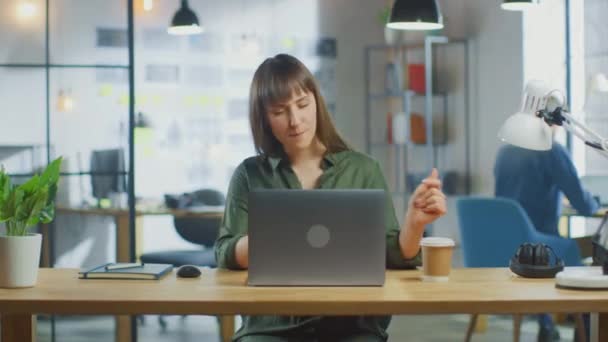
[(147, 271)]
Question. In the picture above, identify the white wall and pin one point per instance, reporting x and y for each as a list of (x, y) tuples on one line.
[(497, 78), (355, 26)]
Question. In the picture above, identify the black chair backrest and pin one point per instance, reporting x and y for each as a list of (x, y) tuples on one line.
[(202, 231)]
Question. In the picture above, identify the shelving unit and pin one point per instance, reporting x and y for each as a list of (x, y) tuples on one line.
[(404, 163)]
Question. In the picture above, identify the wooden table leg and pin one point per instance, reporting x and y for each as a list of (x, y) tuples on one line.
[(139, 232), (226, 327), (123, 254), (123, 329), (18, 327), (599, 326), (123, 238), (517, 326), (471, 328), (46, 246)]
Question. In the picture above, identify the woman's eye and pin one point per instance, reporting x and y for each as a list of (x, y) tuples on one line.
[(277, 113), (303, 105)]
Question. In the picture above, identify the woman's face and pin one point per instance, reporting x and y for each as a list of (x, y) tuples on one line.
[(294, 122)]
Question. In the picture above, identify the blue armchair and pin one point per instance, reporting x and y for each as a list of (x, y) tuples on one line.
[(492, 229)]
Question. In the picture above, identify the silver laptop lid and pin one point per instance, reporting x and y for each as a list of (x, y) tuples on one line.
[(317, 237)]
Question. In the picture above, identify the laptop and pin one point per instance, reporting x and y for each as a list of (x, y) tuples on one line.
[(317, 238)]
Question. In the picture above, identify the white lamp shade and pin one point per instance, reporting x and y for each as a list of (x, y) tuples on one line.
[(526, 131)]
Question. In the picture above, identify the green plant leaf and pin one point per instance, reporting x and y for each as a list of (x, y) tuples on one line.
[(32, 202), (47, 214), (5, 190), (51, 173), (31, 186), (35, 206), (28, 204), (19, 206), (5, 185)]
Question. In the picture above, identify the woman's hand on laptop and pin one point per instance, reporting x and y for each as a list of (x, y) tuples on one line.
[(427, 203)]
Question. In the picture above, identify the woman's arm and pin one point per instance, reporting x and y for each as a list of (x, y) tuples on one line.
[(228, 246), (403, 243), (425, 206), (242, 252)]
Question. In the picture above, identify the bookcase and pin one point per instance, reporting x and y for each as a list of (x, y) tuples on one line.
[(417, 114)]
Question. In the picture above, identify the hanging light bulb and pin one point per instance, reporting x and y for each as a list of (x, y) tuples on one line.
[(26, 9), (65, 102), (148, 5), (185, 21)]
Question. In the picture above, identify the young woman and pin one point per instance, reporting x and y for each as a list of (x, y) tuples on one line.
[(298, 147)]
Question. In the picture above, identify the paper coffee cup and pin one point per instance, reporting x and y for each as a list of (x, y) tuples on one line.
[(436, 258)]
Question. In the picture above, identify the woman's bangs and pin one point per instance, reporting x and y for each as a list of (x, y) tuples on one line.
[(280, 88)]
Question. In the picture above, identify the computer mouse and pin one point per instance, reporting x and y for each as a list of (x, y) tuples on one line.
[(188, 271)]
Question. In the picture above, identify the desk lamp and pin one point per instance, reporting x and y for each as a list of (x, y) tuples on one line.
[(529, 128)]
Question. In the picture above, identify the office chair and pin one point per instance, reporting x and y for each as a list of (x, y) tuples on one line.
[(202, 231), (491, 230)]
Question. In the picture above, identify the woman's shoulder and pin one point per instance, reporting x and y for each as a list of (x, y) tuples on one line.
[(249, 163), (353, 158)]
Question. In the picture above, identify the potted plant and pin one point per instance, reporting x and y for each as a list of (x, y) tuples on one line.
[(22, 207)]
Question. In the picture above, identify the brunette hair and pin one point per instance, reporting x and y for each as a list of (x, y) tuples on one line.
[(275, 80)]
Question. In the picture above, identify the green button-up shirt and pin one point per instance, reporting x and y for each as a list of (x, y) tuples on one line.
[(342, 170)]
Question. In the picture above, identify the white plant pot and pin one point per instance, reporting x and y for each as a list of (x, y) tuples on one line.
[(19, 260)]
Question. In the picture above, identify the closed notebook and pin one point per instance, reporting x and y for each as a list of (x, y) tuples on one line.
[(147, 271)]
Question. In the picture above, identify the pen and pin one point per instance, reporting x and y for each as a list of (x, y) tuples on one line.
[(124, 265)]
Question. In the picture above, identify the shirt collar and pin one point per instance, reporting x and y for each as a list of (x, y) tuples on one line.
[(329, 160)]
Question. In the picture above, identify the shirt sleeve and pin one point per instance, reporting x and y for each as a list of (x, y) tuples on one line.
[(235, 222), (566, 178), (394, 258)]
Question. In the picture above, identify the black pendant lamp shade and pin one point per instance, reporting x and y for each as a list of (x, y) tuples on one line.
[(415, 15), (517, 5), (185, 21)]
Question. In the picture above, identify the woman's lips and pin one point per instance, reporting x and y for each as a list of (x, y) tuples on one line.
[(293, 135)]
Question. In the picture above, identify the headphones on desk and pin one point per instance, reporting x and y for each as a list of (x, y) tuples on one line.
[(532, 260)]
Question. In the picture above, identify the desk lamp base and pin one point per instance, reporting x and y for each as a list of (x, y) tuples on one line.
[(585, 278)]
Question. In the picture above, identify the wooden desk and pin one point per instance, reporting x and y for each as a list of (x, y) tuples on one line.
[(123, 239), (220, 292)]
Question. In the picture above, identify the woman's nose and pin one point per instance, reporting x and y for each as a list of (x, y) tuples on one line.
[(294, 118)]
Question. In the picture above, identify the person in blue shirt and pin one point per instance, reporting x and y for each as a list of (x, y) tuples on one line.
[(537, 180)]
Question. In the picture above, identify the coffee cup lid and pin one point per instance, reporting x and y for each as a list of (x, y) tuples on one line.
[(437, 242)]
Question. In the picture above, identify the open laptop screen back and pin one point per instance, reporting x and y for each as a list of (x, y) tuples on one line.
[(317, 237)]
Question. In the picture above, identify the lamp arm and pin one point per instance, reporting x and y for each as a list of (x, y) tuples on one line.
[(575, 127)]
